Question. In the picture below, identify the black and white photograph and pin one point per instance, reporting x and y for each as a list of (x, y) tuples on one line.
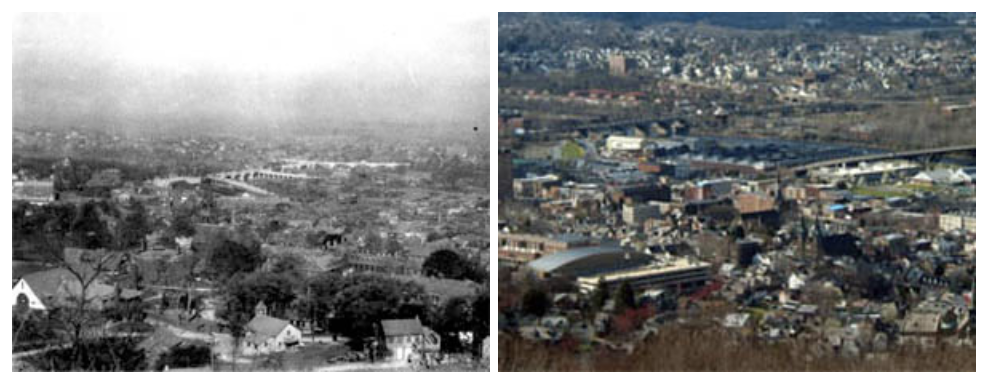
[(298, 192)]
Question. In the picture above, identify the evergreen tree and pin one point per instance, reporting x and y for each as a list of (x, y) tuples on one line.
[(600, 296), (134, 228), (536, 303), (88, 230), (625, 298)]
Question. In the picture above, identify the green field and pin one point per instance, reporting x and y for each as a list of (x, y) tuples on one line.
[(572, 151), (882, 192)]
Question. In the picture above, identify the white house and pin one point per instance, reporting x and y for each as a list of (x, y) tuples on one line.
[(24, 296), (943, 177), (269, 335), (968, 172), (407, 339), (619, 143), (486, 348)]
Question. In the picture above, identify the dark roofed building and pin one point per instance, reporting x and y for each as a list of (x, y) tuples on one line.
[(641, 193), (55, 287), (845, 244)]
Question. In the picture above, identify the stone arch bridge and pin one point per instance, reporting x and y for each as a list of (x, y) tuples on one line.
[(247, 175)]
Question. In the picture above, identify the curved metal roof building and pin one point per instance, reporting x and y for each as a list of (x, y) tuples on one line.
[(587, 261)]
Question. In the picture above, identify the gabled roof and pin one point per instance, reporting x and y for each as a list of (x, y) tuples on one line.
[(267, 326), (59, 285), (407, 327), (87, 259), (24, 268), (943, 176)]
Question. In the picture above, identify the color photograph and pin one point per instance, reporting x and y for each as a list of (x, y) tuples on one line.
[(759, 192)]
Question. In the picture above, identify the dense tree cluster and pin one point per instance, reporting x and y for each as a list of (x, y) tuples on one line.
[(451, 265), (97, 354), (230, 258), (42, 232), (184, 355), (460, 315), (536, 302)]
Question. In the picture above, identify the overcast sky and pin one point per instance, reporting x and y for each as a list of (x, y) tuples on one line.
[(255, 71)]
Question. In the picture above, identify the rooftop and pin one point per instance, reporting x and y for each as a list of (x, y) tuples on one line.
[(559, 259), (675, 265), (267, 326), (570, 238), (406, 327)]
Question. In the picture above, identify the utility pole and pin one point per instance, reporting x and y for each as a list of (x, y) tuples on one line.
[(310, 316)]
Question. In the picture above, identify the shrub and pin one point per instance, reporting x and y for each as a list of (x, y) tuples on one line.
[(184, 356)]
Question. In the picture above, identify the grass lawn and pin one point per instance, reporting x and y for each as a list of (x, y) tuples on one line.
[(918, 187), (307, 358), (313, 355), (462, 367), (572, 151)]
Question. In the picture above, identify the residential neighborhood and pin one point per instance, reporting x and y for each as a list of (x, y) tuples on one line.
[(735, 193), (209, 215)]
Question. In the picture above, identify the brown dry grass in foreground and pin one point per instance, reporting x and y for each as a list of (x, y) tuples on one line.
[(693, 350)]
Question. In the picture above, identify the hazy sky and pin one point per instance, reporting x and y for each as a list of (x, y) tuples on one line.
[(255, 71)]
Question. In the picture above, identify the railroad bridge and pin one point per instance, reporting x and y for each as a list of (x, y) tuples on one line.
[(247, 175)]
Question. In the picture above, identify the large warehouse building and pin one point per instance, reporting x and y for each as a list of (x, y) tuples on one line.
[(588, 261), (678, 274)]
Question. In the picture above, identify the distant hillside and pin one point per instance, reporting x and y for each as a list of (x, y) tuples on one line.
[(855, 22)]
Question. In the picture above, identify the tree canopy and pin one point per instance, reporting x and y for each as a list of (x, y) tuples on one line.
[(135, 227), (276, 290), (364, 300), (448, 265), (625, 298), (230, 258), (536, 302), (88, 230)]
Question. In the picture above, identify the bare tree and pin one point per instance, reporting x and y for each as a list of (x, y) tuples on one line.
[(80, 311)]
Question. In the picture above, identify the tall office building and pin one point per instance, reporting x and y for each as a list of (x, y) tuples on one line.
[(617, 64), (621, 66)]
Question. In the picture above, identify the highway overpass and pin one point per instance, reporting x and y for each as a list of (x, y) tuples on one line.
[(884, 156)]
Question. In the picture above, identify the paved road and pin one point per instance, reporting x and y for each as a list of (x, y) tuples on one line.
[(179, 331), (367, 366), (46, 349)]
